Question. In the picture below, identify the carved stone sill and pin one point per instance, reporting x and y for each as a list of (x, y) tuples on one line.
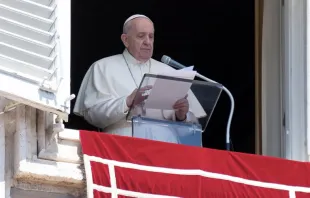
[(70, 134), (66, 148), (56, 173)]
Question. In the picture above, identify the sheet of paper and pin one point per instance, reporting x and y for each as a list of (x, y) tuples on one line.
[(191, 68), (166, 92), (181, 73)]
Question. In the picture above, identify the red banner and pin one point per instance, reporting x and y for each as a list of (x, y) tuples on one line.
[(118, 166)]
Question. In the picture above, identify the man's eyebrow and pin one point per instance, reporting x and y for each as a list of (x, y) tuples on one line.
[(145, 32)]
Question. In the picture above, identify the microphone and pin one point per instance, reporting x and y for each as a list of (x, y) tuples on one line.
[(169, 61)]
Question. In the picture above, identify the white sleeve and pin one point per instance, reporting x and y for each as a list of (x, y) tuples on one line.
[(170, 115), (107, 113), (97, 101), (190, 117)]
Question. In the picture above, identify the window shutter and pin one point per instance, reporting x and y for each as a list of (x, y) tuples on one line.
[(35, 53)]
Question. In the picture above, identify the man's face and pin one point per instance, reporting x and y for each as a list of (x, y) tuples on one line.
[(140, 38)]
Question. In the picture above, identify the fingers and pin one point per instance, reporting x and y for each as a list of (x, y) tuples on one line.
[(142, 98), (138, 95), (180, 106), (148, 87), (139, 99), (142, 89), (183, 103)]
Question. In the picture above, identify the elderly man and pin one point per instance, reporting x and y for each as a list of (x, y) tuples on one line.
[(109, 87)]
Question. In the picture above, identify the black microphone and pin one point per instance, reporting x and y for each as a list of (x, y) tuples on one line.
[(169, 61)]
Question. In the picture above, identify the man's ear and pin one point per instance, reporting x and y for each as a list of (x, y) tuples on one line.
[(125, 40)]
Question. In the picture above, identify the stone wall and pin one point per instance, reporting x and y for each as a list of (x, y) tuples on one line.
[(38, 154)]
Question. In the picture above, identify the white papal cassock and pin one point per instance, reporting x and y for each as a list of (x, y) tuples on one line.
[(102, 96)]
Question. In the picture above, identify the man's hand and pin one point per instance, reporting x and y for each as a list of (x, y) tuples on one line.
[(137, 96), (181, 108)]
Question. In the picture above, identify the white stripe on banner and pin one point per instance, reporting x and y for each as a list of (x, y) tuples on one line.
[(89, 177), (128, 193), (113, 181), (291, 189), (292, 194)]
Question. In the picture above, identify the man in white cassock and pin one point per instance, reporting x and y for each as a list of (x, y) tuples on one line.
[(109, 86)]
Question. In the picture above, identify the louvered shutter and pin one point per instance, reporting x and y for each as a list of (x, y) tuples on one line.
[(35, 53)]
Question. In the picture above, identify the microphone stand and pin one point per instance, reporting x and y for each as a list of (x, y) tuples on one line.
[(231, 108), (167, 60)]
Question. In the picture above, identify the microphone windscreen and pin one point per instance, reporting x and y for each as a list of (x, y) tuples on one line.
[(165, 59)]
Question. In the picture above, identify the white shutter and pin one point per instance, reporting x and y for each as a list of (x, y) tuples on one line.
[(35, 53)]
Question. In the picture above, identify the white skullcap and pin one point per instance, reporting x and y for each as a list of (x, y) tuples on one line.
[(136, 16)]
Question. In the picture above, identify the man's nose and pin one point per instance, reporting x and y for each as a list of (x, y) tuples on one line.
[(147, 41)]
